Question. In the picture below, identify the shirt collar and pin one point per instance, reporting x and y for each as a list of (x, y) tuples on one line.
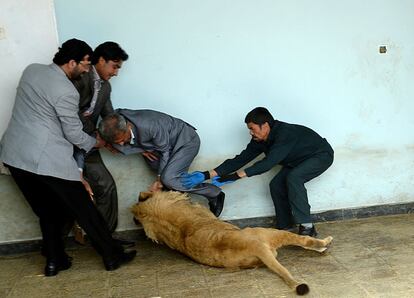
[(273, 130), (132, 140), (95, 75)]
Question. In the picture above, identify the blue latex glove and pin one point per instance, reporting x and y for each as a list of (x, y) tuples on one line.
[(189, 180), (216, 181)]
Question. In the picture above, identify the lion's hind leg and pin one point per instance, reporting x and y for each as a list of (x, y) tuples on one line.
[(265, 254), (278, 238), (321, 246), (307, 242)]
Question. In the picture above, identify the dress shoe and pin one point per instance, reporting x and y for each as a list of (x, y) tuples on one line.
[(304, 231), (52, 268), (124, 258), (216, 204), (125, 243), (79, 234)]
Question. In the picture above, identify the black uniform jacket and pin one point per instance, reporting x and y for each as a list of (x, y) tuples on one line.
[(287, 145)]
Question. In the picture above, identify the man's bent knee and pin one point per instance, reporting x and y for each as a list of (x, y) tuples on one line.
[(172, 183)]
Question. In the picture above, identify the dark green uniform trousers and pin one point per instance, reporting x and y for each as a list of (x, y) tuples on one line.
[(288, 190)]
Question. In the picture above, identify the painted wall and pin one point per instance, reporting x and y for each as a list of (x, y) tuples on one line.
[(313, 63), (27, 35)]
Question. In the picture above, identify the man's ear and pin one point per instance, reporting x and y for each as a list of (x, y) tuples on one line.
[(86, 58), (72, 63), (265, 125), (101, 60)]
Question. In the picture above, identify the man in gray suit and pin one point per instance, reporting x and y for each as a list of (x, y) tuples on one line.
[(95, 101), (37, 147), (169, 145)]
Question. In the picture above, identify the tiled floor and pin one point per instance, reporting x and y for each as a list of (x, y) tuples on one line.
[(369, 258)]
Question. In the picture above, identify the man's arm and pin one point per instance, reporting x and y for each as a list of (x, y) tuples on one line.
[(127, 149), (160, 139), (230, 165), (67, 111), (107, 107), (189, 180), (276, 154), (79, 156)]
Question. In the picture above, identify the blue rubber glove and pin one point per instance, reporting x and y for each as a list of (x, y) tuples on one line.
[(216, 181), (189, 180), (225, 179)]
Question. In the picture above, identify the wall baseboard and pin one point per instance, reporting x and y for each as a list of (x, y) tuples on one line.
[(20, 247)]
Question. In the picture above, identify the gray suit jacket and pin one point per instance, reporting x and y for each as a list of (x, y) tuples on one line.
[(156, 131), (103, 105), (45, 125)]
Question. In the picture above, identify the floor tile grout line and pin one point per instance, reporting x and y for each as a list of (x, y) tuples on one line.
[(15, 281)]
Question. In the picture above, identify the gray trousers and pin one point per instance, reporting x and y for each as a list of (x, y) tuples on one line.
[(179, 162), (288, 190)]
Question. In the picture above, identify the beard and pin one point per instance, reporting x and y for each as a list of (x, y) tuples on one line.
[(76, 74), (77, 78)]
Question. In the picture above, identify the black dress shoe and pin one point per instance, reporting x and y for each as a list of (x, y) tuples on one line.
[(52, 268), (124, 258), (216, 204), (125, 243), (307, 231)]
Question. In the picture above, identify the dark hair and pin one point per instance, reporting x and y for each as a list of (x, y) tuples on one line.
[(109, 51), (72, 49), (259, 116), (111, 126)]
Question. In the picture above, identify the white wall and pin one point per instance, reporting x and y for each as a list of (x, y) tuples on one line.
[(314, 63), (30, 36)]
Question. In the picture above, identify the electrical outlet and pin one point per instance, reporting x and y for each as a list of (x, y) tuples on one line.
[(2, 33), (383, 49)]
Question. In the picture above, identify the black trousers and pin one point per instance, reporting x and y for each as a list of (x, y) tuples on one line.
[(288, 190), (56, 201), (103, 187)]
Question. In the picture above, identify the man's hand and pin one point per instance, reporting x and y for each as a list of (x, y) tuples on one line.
[(155, 186), (189, 180), (150, 155), (87, 187), (225, 179), (99, 141)]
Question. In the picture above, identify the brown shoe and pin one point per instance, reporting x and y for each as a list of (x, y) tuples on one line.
[(79, 234)]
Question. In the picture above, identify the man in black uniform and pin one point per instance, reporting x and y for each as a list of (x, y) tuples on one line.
[(301, 152)]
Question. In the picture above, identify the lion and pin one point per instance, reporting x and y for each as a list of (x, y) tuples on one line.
[(170, 218)]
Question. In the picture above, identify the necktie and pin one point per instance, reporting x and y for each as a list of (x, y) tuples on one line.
[(96, 88)]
